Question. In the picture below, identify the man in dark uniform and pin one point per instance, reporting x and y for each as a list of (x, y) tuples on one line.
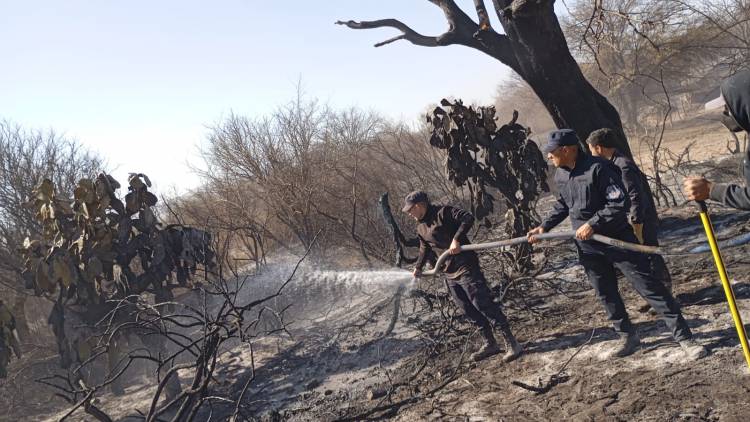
[(446, 228), (642, 216), (735, 101), (591, 193)]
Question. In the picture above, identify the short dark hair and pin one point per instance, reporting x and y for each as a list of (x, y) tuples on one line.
[(604, 137)]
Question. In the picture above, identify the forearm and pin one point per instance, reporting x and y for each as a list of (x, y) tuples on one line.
[(550, 224), (732, 195), (423, 252), (632, 180), (420, 260), (463, 230), (637, 211), (557, 216), (604, 217), (466, 222)]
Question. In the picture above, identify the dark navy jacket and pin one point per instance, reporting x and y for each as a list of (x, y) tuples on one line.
[(591, 193), (642, 207), (437, 229)]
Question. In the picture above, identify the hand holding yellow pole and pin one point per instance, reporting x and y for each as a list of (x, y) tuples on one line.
[(724, 279)]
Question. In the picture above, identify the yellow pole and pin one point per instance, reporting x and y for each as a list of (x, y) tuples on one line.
[(724, 280)]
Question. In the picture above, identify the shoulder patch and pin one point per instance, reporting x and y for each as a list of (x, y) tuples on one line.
[(614, 192)]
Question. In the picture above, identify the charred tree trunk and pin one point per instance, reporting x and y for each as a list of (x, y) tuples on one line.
[(545, 63), (534, 46), (482, 156)]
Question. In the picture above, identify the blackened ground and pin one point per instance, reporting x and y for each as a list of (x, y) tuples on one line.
[(338, 365), (654, 384)]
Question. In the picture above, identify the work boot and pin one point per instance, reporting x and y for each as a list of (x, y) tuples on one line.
[(625, 346), (489, 348), (693, 350), (514, 349)]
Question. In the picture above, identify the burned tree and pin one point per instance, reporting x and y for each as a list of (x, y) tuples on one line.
[(112, 269), (534, 46), (27, 156), (95, 258), (480, 156)]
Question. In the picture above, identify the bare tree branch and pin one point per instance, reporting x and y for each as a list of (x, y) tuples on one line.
[(484, 18), (462, 30), (408, 34)]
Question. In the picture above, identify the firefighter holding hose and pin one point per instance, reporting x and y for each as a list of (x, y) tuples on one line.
[(446, 228), (642, 216), (591, 193)]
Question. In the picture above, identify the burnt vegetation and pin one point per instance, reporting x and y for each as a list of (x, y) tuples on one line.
[(210, 306)]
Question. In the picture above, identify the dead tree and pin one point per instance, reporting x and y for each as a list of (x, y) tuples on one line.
[(399, 240), (482, 156), (98, 241), (197, 332), (97, 253), (27, 156), (534, 46)]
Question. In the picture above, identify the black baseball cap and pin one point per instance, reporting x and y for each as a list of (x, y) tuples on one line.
[(414, 198), (560, 138)]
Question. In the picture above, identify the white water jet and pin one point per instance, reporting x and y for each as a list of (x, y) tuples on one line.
[(360, 278)]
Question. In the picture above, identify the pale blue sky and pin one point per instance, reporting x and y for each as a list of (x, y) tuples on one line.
[(131, 76)]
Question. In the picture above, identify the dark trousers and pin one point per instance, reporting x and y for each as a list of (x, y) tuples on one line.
[(600, 261), (658, 266), (473, 297)]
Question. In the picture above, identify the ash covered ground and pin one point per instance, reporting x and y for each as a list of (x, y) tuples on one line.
[(344, 358)]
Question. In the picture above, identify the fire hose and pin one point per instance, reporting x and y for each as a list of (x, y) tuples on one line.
[(565, 235)]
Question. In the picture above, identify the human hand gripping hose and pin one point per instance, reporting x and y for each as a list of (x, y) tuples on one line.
[(708, 227)]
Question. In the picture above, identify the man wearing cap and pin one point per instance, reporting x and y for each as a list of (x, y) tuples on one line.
[(590, 192), (642, 216), (735, 101), (446, 228)]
